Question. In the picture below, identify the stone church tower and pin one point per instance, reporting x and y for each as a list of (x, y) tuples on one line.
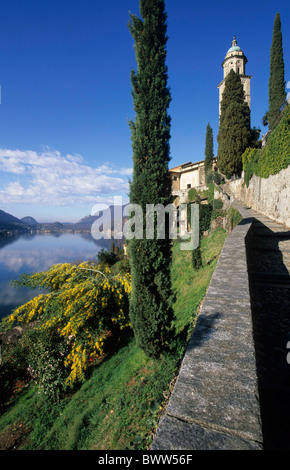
[(235, 59)]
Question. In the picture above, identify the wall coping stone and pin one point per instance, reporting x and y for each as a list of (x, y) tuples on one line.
[(214, 404)]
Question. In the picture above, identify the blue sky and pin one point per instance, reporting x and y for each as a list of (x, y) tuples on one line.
[(65, 67)]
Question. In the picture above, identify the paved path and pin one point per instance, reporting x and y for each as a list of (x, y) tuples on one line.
[(233, 389), (269, 278)]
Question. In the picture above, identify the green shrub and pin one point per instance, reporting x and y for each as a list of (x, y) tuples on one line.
[(193, 195), (107, 257), (211, 188), (70, 325), (205, 211), (214, 177), (217, 213), (209, 177), (217, 178), (250, 158), (196, 258), (217, 204), (46, 362), (274, 157), (13, 369)]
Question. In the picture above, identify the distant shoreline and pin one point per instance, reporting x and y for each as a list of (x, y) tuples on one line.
[(42, 228)]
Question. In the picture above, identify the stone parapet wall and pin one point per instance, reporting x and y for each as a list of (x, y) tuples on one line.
[(214, 404), (269, 196)]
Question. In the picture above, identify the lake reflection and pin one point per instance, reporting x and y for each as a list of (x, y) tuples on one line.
[(35, 253)]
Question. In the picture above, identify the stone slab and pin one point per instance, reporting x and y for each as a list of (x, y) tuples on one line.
[(217, 381), (174, 434)]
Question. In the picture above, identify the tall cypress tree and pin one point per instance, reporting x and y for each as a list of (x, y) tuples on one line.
[(150, 306), (234, 128), (208, 149), (277, 93)]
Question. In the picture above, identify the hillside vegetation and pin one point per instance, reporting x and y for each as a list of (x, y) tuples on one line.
[(274, 157), (120, 401)]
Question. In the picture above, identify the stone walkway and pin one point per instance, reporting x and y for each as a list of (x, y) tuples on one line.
[(233, 389), (269, 276)]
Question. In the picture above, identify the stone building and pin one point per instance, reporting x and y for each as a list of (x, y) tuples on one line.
[(187, 176), (235, 59)]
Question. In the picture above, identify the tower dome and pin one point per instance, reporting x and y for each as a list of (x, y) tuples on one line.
[(234, 47), (235, 60)]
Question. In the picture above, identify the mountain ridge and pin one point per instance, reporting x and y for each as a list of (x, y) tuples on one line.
[(10, 223), (29, 220)]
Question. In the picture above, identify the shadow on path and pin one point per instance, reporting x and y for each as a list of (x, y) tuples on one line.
[(270, 300)]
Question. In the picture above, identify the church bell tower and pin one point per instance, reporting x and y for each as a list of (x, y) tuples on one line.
[(235, 59)]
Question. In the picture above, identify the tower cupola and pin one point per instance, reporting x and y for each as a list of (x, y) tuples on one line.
[(235, 60)]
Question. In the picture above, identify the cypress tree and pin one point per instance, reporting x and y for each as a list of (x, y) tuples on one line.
[(150, 307), (196, 259), (277, 93), (208, 149), (234, 128)]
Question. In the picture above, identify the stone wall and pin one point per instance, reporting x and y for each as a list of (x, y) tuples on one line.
[(269, 196), (214, 404)]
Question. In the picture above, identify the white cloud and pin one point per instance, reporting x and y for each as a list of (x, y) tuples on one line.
[(48, 178)]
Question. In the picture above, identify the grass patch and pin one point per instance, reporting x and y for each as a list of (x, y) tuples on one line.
[(120, 403), (190, 286), (114, 408)]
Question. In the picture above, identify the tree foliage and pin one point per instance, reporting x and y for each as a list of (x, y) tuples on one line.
[(272, 158), (150, 307), (277, 93), (208, 149), (234, 128), (196, 258)]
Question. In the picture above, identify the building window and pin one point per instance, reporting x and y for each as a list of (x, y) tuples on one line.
[(174, 178), (188, 186)]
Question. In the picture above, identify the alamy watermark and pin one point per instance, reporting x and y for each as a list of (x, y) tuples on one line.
[(129, 221)]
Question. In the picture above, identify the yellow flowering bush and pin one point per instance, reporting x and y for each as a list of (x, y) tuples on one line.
[(80, 309)]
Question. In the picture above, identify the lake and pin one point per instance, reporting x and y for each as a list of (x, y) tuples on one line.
[(31, 253)]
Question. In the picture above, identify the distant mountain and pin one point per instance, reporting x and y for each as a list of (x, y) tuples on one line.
[(6, 218), (57, 224), (29, 220), (10, 223), (90, 219)]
